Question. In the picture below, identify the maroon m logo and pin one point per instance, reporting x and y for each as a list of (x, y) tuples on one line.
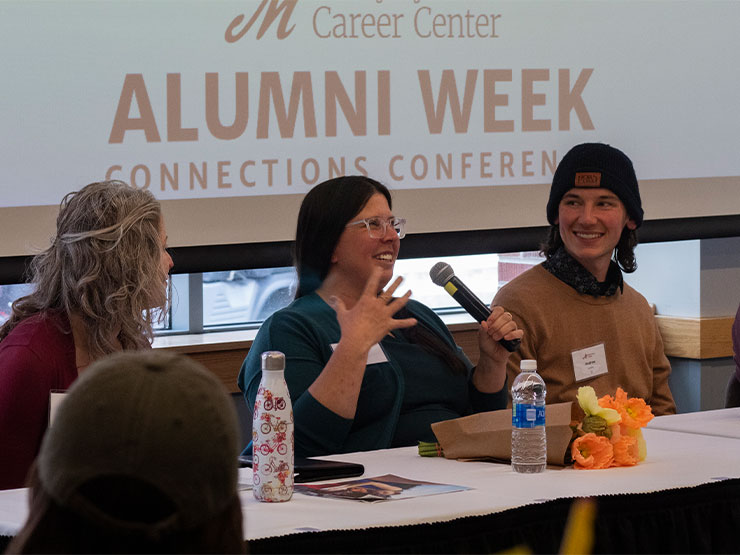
[(276, 8)]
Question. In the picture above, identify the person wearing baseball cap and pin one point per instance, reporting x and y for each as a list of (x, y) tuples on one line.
[(582, 323), (141, 457)]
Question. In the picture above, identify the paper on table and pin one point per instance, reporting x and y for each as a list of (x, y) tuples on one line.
[(388, 487), (488, 434)]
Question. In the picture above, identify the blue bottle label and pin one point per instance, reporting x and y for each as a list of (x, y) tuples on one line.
[(527, 416)]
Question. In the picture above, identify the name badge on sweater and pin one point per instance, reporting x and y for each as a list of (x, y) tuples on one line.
[(374, 356), (589, 362)]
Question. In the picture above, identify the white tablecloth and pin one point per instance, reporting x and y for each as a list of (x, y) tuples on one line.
[(13, 510), (723, 422), (675, 459)]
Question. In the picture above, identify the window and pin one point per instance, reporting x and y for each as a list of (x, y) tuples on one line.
[(9, 293), (484, 274), (245, 296), (234, 299)]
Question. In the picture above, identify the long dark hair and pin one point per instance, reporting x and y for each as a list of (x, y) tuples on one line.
[(624, 252), (325, 211)]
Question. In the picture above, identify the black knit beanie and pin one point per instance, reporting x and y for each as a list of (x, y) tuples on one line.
[(596, 165)]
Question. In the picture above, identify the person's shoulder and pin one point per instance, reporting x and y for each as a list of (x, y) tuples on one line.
[(520, 288), (534, 274), (632, 295), (34, 347), (307, 312), (281, 324), (308, 306), (428, 317), (418, 308), (40, 332), (420, 311)]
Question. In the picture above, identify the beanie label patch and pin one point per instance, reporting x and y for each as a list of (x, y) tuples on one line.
[(588, 179)]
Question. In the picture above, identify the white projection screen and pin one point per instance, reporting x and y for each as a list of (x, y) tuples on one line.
[(230, 111)]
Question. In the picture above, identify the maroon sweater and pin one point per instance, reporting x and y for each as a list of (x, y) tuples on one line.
[(36, 357)]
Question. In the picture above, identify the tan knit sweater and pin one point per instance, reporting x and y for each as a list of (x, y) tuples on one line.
[(558, 320)]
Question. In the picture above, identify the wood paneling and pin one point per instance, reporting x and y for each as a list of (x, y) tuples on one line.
[(225, 364), (696, 338)]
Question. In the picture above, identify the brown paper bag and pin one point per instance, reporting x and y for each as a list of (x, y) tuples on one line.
[(488, 434)]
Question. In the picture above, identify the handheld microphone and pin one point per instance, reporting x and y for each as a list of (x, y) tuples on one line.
[(443, 275)]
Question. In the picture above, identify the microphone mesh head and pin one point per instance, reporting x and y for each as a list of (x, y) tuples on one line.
[(441, 273)]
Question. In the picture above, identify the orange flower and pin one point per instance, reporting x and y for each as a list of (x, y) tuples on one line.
[(641, 445), (608, 402), (626, 446), (626, 451), (634, 411), (616, 402), (620, 396), (591, 451)]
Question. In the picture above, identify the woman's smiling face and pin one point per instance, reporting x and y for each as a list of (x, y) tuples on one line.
[(356, 253)]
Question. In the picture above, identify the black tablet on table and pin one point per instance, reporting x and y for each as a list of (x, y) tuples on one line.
[(313, 470)]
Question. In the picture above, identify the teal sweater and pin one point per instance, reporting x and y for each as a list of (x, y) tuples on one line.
[(305, 331)]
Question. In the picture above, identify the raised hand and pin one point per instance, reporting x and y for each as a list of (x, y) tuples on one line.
[(371, 317)]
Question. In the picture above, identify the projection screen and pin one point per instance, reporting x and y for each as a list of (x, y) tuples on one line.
[(230, 111)]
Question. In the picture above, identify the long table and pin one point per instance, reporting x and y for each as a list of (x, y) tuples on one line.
[(722, 422), (684, 498), (686, 476)]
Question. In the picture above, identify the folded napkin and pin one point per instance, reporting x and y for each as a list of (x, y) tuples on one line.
[(487, 435)]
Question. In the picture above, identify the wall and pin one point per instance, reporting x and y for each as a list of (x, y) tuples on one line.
[(697, 279)]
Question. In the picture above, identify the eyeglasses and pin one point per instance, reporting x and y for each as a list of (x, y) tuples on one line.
[(377, 227)]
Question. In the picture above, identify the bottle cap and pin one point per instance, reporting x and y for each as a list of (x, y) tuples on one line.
[(527, 364), (273, 360)]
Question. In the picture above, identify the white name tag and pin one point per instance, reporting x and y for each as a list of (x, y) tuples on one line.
[(589, 362), (374, 356), (55, 399)]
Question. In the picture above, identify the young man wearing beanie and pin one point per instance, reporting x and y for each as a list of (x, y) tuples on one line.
[(582, 323)]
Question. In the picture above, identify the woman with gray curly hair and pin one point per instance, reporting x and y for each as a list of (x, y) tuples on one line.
[(98, 289)]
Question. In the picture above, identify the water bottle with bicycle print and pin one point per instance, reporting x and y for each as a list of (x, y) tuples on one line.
[(272, 433)]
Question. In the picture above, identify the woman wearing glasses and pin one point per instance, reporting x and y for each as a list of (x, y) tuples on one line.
[(366, 369)]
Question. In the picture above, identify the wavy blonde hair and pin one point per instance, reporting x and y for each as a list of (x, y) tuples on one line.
[(103, 265)]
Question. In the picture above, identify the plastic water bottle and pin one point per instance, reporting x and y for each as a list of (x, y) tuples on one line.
[(272, 433), (528, 438)]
